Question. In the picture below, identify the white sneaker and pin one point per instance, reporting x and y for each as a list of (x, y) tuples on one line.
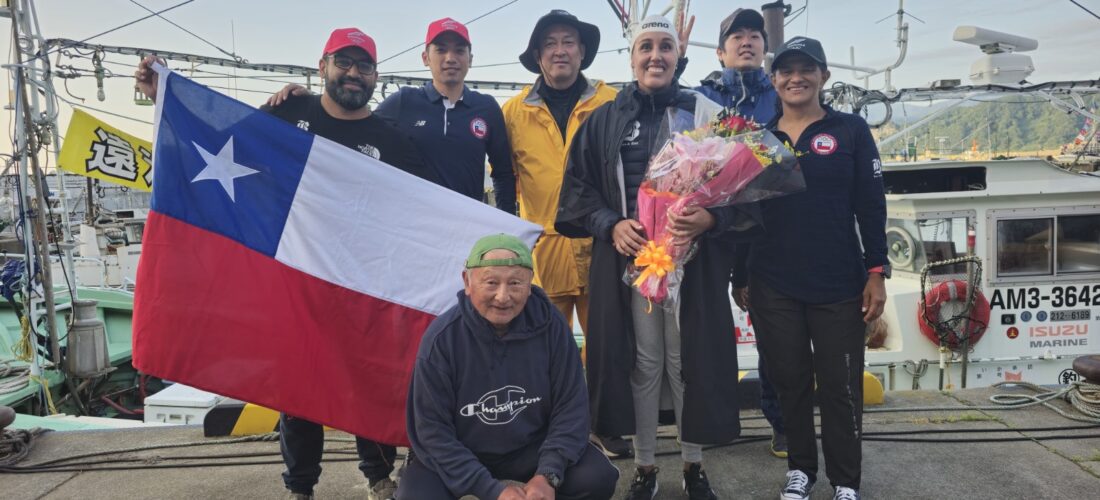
[(798, 486), (845, 493)]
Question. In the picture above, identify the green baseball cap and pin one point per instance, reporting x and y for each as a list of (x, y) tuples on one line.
[(500, 242)]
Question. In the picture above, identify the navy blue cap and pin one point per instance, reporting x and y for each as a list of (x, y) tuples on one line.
[(802, 45)]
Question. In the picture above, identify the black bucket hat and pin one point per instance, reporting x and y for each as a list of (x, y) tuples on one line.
[(589, 33)]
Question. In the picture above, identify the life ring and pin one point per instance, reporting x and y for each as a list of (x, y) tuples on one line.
[(942, 293), (1088, 367)]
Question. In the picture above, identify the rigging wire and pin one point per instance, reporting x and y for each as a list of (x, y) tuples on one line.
[(135, 21), (85, 106), (620, 13), (471, 21), (479, 66), (1074, 2), (189, 32), (53, 229)]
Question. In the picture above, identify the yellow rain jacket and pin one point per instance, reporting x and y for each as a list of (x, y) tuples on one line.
[(538, 155)]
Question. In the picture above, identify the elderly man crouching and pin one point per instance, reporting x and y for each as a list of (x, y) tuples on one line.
[(498, 393)]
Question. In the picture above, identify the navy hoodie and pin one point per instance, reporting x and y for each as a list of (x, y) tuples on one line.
[(750, 92), (479, 396)]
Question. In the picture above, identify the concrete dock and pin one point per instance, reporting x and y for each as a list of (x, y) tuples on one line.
[(1027, 467)]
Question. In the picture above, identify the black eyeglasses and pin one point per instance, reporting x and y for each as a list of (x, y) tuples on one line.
[(345, 63)]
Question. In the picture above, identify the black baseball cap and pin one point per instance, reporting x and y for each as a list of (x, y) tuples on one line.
[(741, 18), (589, 33), (803, 45)]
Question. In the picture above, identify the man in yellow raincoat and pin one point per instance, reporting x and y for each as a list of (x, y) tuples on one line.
[(541, 121)]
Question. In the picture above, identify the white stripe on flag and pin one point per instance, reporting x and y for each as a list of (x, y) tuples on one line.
[(364, 225)]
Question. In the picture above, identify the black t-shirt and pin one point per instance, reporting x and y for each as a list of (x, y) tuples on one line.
[(371, 136)]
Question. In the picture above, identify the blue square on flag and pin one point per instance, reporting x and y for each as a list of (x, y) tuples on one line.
[(225, 166)]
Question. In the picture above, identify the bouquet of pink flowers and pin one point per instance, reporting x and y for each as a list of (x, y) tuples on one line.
[(727, 161)]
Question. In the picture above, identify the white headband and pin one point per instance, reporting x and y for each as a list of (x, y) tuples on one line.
[(655, 24)]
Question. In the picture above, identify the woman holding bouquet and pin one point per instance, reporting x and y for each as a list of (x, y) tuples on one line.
[(634, 345), (814, 280)]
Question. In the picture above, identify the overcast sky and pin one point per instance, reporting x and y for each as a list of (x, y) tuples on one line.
[(295, 32)]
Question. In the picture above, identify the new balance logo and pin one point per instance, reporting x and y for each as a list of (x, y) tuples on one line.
[(420, 123)]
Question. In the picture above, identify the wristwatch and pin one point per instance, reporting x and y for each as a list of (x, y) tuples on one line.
[(553, 479), (884, 270)]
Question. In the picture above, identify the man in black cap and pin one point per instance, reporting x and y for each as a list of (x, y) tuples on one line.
[(541, 121), (743, 85)]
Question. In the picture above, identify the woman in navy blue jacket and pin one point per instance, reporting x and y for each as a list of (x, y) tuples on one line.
[(817, 275)]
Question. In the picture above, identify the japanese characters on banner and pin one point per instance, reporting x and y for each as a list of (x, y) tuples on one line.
[(95, 149)]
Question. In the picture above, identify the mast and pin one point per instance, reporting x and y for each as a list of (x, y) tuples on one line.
[(39, 129)]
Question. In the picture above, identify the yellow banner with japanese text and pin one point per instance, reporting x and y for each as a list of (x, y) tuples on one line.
[(95, 149)]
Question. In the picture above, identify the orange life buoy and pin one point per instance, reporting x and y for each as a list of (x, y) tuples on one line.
[(947, 291)]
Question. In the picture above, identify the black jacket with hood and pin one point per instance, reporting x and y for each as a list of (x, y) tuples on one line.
[(479, 396), (592, 201)]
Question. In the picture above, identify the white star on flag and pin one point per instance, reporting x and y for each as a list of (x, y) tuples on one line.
[(222, 168)]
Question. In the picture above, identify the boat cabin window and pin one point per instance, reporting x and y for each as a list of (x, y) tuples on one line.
[(1048, 246), (934, 180), (1024, 247), (913, 244)]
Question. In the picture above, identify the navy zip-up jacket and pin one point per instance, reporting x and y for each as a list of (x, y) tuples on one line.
[(476, 395), (811, 249), (749, 92), (456, 141)]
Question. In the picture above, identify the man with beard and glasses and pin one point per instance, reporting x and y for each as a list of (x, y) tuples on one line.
[(454, 127), (341, 115)]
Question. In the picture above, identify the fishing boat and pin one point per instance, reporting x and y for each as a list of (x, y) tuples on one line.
[(996, 279)]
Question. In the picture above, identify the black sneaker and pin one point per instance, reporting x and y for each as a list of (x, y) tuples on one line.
[(696, 484), (612, 446), (644, 485), (798, 486), (779, 445)]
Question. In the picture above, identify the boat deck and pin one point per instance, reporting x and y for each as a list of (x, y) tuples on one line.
[(1030, 468)]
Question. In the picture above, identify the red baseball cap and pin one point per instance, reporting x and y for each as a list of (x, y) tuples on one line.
[(444, 25), (351, 37)]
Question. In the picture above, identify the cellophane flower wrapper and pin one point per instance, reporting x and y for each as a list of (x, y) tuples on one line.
[(702, 169)]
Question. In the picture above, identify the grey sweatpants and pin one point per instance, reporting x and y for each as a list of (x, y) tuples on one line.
[(657, 337)]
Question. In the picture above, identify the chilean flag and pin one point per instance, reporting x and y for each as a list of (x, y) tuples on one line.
[(286, 270)]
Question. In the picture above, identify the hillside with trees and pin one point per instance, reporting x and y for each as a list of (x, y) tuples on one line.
[(1004, 126)]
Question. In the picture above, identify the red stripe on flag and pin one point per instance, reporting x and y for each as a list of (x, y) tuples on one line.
[(214, 314)]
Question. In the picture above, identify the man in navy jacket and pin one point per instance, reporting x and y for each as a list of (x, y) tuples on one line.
[(498, 393), (744, 86)]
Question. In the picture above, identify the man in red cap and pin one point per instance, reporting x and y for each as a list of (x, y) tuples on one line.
[(455, 127), (341, 114)]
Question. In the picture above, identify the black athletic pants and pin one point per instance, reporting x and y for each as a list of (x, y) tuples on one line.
[(302, 443), (591, 478), (806, 342)]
